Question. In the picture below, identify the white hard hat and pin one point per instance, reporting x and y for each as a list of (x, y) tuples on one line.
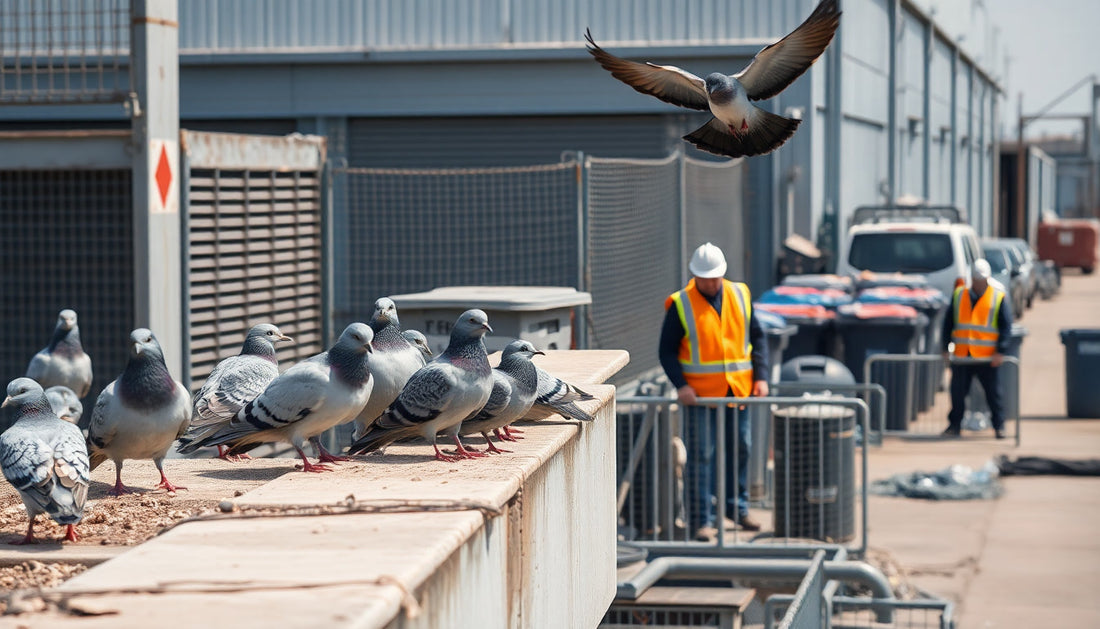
[(707, 262), (981, 269)]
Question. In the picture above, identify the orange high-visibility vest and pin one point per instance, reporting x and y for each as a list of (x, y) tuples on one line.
[(715, 353), (976, 332)]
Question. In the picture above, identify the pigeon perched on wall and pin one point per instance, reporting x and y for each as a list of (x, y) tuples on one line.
[(63, 362), (140, 414), (236, 381), (417, 338), (65, 404), (738, 127), (557, 396), (45, 459), (395, 360), (515, 384), (304, 401), (440, 395)]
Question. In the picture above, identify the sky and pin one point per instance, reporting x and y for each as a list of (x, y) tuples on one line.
[(1050, 46)]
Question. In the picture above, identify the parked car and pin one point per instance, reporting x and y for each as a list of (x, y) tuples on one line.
[(1006, 271), (1029, 266), (932, 242)]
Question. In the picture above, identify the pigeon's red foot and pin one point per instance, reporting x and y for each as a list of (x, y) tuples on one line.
[(70, 534), (166, 485), (439, 456), (119, 489), (315, 468), (505, 435)]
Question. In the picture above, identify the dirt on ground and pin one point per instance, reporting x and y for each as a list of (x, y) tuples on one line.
[(34, 574)]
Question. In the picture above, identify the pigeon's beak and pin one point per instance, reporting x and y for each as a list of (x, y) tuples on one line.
[(137, 349), (7, 401), (487, 328), (538, 353), (67, 417), (370, 348), (283, 337)]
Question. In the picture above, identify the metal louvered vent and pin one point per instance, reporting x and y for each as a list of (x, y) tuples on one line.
[(255, 245)]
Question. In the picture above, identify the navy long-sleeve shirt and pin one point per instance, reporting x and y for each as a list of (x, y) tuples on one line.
[(672, 334), (1004, 323)]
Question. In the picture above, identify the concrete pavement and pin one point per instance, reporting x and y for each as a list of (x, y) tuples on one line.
[(1032, 557)]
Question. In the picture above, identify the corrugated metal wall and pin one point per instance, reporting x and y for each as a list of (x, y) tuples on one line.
[(67, 242)]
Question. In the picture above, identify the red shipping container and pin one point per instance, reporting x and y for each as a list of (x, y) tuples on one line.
[(1069, 242)]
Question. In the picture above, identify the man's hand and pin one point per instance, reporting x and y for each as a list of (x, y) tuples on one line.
[(760, 388), (686, 395), (996, 360)]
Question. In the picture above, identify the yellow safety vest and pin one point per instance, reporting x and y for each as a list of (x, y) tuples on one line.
[(715, 353), (976, 332)]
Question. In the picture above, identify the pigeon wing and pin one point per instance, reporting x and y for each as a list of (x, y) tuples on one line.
[(778, 65), (668, 83), (289, 398), (429, 392), (498, 397), (232, 385), (38, 366), (102, 428), (27, 462)]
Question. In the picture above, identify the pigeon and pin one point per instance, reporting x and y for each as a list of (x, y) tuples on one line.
[(140, 414), (515, 382), (45, 459), (441, 394), (236, 381), (304, 401), (394, 361), (65, 404), (738, 127), (63, 362), (417, 338), (556, 396)]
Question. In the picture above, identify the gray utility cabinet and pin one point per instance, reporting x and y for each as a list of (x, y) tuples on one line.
[(542, 315)]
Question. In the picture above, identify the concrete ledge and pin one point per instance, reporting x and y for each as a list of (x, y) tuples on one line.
[(548, 559)]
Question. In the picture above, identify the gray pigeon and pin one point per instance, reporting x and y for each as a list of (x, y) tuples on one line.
[(45, 459), (417, 338), (738, 127), (557, 396), (140, 414), (394, 361), (515, 382), (236, 381), (304, 401), (440, 395), (65, 404), (63, 362)]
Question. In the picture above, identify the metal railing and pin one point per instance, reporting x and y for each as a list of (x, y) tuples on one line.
[(807, 609), (819, 470), (918, 401)]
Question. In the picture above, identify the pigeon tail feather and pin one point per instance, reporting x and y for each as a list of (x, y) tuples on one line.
[(768, 132)]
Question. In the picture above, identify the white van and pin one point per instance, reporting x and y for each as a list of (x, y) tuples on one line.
[(932, 241)]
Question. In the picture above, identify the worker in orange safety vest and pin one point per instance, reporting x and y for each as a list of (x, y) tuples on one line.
[(712, 346), (979, 324)]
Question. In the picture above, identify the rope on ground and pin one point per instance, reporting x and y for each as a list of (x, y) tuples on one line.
[(39, 600), (232, 511)]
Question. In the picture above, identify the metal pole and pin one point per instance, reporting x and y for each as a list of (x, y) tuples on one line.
[(1021, 168)]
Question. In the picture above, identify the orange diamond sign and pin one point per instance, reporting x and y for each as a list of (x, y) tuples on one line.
[(163, 175)]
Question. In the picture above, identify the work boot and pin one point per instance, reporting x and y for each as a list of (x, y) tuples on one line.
[(952, 431), (999, 433), (707, 534), (747, 523)]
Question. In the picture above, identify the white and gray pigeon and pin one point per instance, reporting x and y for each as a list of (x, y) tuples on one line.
[(417, 338), (65, 403), (440, 395), (312, 396), (738, 127), (140, 414), (44, 458), (515, 384), (395, 360), (63, 362), (558, 396), (236, 381)]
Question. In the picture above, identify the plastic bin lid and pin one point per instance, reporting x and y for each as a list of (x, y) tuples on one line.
[(818, 411), (510, 298), (1075, 334), (863, 311), (805, 295), (870, 279), (819, 280), (801, 312), (926, 298)]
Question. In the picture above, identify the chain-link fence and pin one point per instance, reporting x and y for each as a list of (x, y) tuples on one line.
[(64, 51), (615, 228)]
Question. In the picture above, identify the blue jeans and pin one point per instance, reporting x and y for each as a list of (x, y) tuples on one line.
[(700, 438)]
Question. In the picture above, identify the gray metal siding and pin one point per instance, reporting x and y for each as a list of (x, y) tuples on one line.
[(503, 141)]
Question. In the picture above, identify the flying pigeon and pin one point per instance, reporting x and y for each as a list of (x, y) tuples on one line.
[(440, 395), (557, 396), (304, 401), (394, 361), (738, 127), (63, 362), (417, 338), (65, 403), (45, 459), (236, 381), (140, 414), (515, 382)]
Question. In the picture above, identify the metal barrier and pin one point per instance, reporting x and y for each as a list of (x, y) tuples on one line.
[(917, 407), (662, 492), (807, 610), (875, 395), (848, 611)]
